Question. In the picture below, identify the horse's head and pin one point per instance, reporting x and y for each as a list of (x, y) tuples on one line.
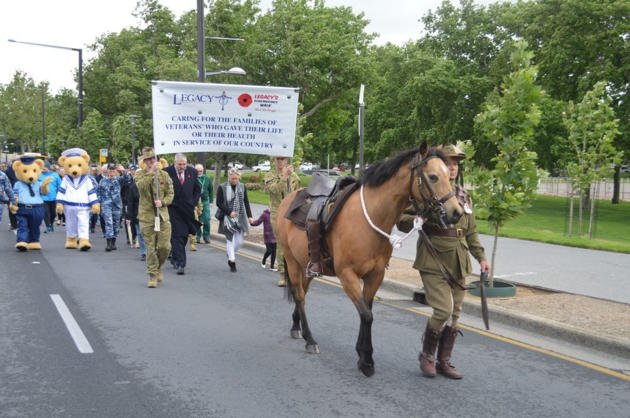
[(432, 185)]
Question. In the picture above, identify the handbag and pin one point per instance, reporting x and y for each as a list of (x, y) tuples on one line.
[(219, 214)]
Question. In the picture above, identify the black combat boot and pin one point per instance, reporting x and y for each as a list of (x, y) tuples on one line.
[(109, 245), (447, 342), (314, 266), (427, 356), (114, 244)]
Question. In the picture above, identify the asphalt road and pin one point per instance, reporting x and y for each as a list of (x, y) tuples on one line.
[(215, 343)]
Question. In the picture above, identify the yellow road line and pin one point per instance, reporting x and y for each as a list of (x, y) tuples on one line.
[(524, 345), (582, 363)]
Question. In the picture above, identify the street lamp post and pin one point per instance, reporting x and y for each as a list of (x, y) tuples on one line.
[(132, 120), (361, 126), (80, 51), (201, 66), (233, 70)]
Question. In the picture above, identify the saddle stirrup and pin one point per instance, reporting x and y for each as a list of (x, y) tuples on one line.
[(313, 232)]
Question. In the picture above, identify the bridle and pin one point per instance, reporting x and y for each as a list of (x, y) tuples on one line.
[(431, 202)]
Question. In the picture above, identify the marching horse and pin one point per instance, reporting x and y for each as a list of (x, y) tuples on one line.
[(417, 176)]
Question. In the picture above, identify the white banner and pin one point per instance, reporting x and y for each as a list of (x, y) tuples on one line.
[(199, 117)]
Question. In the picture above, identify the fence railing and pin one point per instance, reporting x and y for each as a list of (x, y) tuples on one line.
[(561, 186)]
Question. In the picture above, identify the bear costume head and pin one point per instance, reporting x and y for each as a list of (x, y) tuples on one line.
[(28, 167), (75, 162)]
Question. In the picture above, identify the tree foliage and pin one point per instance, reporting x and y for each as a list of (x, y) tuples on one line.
[(508, 120), (430, 88)]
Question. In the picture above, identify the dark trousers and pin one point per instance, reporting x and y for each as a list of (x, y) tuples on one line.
[(49, 212), (29, 220), (94, 217), (178, 250), (12, 220), (271, 251)]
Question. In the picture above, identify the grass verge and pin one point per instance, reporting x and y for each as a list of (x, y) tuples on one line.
[(548, 220)]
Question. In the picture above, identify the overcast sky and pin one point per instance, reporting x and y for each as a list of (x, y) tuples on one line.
[(77, 23)]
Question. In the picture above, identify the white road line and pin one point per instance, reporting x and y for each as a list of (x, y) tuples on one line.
[(83, 345)]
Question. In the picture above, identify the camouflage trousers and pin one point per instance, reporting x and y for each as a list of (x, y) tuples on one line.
[(158, 245), (205, 222), (111, 215), (279, 254)]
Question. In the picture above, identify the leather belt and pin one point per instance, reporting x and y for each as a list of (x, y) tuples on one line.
[(36, 205), (438, 232)]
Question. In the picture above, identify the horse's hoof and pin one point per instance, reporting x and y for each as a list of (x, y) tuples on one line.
[(366, 369), (296, 334), (312, 348)]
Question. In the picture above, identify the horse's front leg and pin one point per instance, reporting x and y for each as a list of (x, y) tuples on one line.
[(350, 283)]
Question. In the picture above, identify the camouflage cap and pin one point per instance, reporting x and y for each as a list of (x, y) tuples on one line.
[(453, 151), (147, 152)]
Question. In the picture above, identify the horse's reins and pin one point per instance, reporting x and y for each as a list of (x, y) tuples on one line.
[(431, 202)]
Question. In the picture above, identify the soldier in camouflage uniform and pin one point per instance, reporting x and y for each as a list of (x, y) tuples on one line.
[(280, 181), (158, 243), (111, 203), (6, 192), (453, 246)]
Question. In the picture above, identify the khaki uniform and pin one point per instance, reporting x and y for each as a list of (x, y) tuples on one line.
[(278, 189), (453, 252), (158, 243)]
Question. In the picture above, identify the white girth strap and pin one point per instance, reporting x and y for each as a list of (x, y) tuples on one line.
[(395, 240)]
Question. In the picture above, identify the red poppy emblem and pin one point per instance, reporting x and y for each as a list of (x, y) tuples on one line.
[(188, 175), (244, 99)]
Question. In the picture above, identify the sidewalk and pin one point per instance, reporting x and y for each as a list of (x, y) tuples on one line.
[(588, 322)]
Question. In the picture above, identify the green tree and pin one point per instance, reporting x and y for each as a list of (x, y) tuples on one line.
[(578, 43), (21, 111), (509, 119), (592, 127)]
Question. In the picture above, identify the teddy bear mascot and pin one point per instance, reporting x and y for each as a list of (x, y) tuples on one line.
[(28, 190), (76, 197)]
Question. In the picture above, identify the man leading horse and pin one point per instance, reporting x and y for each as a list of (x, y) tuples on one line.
[(451, 244)]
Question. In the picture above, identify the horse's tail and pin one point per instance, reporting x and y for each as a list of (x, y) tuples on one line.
[(289, 286)]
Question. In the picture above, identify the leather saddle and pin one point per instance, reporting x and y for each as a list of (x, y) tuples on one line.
[(321, 200)]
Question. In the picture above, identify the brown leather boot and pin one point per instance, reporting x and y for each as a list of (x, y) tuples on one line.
[(427, 356), (314, 266), (447, 342)]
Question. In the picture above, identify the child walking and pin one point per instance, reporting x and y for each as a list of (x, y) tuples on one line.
[(270, 239)]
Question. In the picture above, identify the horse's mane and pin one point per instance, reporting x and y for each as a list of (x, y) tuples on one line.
[(381, 171)]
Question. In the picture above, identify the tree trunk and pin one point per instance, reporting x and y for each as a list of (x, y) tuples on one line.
[(494, 253), (580, 213), (571, 214), (590, 219), (616, 184)]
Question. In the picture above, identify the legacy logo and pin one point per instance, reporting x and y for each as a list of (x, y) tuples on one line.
[(191, 98)]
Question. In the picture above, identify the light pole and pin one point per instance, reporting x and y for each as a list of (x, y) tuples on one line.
[(201, 70), (233, 70), (132, 120), (80, 51), (43, 111), (361, 120)]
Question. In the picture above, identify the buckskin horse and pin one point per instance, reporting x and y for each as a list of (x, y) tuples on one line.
[(359, 252)]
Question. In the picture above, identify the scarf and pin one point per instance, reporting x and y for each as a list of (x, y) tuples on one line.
[(232, 224)]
